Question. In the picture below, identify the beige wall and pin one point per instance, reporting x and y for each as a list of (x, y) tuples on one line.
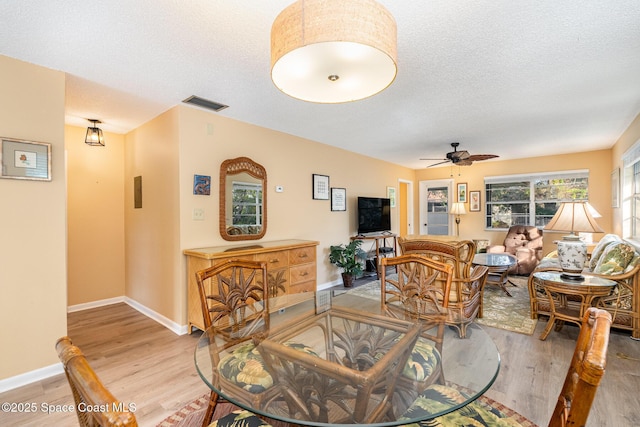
[(152, 233), (629, 137), (472, 224), (184, 141), (33, 299), (95, 216)]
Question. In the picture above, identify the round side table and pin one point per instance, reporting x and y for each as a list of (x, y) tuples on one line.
[(559, 289)]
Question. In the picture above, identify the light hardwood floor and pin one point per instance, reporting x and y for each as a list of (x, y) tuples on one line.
[(142, 362)]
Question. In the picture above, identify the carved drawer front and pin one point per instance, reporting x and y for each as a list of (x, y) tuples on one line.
[(303, 273), (302, 255), (274, 260), (303, 287)]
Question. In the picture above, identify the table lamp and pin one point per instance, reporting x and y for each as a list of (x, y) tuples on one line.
[(458, 209), (574, 217)]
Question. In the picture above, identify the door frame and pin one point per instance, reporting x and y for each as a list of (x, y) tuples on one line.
[(408, 204)]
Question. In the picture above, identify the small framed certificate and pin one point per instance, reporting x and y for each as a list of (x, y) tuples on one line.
[(338, 199)]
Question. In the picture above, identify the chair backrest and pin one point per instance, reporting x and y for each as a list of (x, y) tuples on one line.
[(88, 391), (234, 295), (523, 236), (459, 254), (585, 372), (420, 289)]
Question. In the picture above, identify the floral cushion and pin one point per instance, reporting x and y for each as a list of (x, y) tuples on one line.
[(615, 258), (600, 248), (245, 367), (422, 362), (482, 412), (239, 419)]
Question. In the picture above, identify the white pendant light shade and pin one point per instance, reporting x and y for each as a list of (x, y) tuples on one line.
[(333, 51)]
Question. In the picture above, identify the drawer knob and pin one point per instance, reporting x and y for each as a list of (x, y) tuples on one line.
[(273, 261)]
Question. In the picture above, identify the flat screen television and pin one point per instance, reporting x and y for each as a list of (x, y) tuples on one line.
[(374, 214)]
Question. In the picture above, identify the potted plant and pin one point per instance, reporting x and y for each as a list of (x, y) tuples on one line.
[(347, 258)]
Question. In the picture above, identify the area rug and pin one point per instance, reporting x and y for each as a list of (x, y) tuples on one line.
[(510, 313), (191, 414), (500, 310)]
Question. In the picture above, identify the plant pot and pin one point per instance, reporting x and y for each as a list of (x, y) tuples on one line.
[(347, 279)]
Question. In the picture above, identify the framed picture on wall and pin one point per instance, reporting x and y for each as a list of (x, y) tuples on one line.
[(615, 188), (320, 187), (474, 201), (338, 199), (462, 192), (391, 195), (25, 159)]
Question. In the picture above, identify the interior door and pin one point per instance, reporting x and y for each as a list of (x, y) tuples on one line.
[(434, 207)]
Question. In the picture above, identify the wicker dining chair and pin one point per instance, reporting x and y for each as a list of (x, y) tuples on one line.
[(235, 304), (467, 285), (420, 291), (89, 391), (574, 401)]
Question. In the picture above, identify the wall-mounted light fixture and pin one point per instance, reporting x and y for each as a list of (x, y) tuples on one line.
[(94, 134)]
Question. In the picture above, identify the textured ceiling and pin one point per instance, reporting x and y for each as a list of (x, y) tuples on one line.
[(513, 78)]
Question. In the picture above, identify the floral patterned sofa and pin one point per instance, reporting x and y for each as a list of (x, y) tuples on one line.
[(613, 258)]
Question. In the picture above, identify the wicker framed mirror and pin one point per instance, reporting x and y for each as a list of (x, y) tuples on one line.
[(243, 199)]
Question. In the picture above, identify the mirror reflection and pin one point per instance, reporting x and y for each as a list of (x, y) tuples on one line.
[(243, 214)]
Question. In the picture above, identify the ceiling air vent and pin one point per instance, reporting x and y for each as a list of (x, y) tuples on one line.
[(204, 103)]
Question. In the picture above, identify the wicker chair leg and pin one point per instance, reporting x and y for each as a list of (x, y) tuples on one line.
[(208, 416)]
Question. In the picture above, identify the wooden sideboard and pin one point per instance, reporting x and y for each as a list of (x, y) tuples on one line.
[(291, 268)]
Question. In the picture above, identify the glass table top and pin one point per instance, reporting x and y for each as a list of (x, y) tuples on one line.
[(494, 260), (333, 358)]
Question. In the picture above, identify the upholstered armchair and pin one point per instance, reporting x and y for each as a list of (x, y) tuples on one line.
[(465, 298), (525, 243)]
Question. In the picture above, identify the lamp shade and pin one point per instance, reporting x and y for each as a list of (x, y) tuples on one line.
[(458, 209), (574, 217), (333, 51)]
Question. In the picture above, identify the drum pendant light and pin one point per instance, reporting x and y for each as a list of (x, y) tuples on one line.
[(333, 51)]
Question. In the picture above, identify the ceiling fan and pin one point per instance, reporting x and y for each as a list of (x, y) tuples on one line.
[(461, 158)]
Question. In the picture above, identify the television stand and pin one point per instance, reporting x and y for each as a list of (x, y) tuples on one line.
[(382, 250)]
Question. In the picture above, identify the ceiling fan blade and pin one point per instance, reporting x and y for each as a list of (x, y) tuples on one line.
[(465, 162), (477, 157), (439, 163), (443, 160)]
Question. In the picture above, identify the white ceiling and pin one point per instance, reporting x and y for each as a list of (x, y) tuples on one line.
[(509, 77)]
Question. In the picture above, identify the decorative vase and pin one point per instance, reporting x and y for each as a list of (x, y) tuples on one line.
[(572, 254), (347, 280)]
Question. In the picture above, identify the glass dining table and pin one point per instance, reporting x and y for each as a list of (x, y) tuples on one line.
[(333, 358)]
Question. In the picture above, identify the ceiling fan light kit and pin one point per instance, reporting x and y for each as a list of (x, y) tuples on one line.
[(461, 158), (333, 51)]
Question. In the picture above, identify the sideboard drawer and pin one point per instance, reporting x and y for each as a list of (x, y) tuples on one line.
[(302, 255), (302, 273), (274, 260)]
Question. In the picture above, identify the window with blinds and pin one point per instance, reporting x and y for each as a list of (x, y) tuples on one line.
[(531, 199)]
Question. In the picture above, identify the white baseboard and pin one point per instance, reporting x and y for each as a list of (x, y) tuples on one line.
[(329, 285), (94, 304), (31, 377), (164, 321)]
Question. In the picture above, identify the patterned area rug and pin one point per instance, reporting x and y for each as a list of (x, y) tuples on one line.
[(191, 414), (500, 311), (511, 313)]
